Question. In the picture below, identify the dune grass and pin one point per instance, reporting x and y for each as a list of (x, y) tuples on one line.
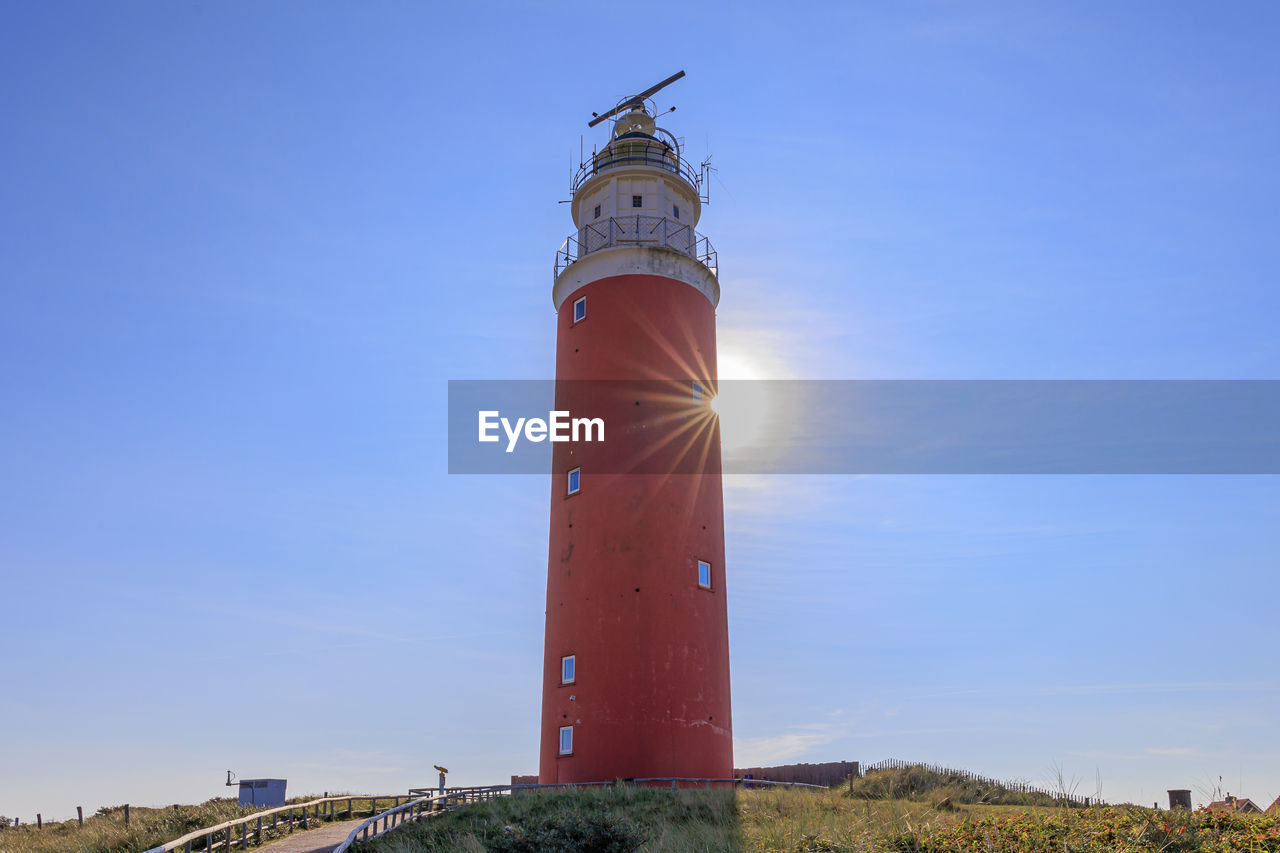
[(652, 820), (924, 785), (630, 819), (105, 832)]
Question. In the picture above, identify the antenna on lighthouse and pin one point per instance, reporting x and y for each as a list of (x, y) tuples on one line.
[(635, 100)]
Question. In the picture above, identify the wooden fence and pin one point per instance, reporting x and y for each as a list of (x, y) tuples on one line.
[(826, 775), (1067, 797), (79, 817)]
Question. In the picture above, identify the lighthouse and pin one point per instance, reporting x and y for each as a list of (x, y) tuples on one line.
[(636, 657)]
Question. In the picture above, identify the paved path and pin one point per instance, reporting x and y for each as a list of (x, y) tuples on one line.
[(321, 840)]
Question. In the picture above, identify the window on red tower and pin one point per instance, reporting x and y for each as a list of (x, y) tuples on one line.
[(566, 740), (704, 574), (568, 668), (575, 481), (580, 309)]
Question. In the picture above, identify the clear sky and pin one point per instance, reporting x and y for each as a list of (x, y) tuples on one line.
[(243, 247)]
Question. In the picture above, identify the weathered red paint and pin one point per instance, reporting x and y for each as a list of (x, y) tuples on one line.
[(651, 693)]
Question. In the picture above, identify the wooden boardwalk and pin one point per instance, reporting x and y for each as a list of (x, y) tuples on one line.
[(321, 840)]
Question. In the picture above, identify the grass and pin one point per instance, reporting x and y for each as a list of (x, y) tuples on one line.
[(629, 819), (922, 785), (105, 832), (652, 820)]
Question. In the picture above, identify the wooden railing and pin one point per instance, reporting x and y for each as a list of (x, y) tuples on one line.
[(419, 803), (413, 810), (242, 831)]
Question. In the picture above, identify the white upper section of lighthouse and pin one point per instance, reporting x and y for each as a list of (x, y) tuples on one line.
[(635, 205), (641, 172)]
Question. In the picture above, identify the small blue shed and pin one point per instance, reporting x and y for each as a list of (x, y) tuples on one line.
[(262, 792)]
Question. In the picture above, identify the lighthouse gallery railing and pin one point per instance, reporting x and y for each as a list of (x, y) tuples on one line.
[(639, 230), (624, 152)]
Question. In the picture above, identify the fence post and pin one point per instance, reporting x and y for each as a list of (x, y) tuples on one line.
[(80, 814), (126, 815), (39, 821)]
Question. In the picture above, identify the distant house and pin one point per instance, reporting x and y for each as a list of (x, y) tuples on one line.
[(1239, 805), (1273, 810)]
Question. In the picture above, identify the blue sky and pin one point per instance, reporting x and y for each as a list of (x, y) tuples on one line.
[(244, 247)]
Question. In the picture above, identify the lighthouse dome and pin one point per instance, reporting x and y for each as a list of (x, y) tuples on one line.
[(636, 121)]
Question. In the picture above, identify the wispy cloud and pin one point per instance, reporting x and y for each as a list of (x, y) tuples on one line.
[(778, 749), (800, 741)]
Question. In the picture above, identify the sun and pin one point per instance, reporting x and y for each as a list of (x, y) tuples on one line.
[(742, 401)]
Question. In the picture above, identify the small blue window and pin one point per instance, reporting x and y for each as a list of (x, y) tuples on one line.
[(704, 574), (580, 308), (567, 664), (697, 391), (575, 477), (566, 740), (597, 216), (675, 208)]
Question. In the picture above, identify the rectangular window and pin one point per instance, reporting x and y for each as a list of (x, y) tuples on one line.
[(704, 574), (597, 211), (637, 201), (575, 480), (580, 308), (697, 391), (566, 740), (567, 664), (675, 209)]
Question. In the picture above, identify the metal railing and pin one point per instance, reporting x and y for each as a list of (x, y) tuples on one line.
[(658, 232), (621, 153), (245, 830)]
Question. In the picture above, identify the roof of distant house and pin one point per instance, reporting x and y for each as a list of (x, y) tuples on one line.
[(1238, 804)]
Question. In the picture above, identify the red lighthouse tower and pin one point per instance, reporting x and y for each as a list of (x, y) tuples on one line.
[(636, 662)]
